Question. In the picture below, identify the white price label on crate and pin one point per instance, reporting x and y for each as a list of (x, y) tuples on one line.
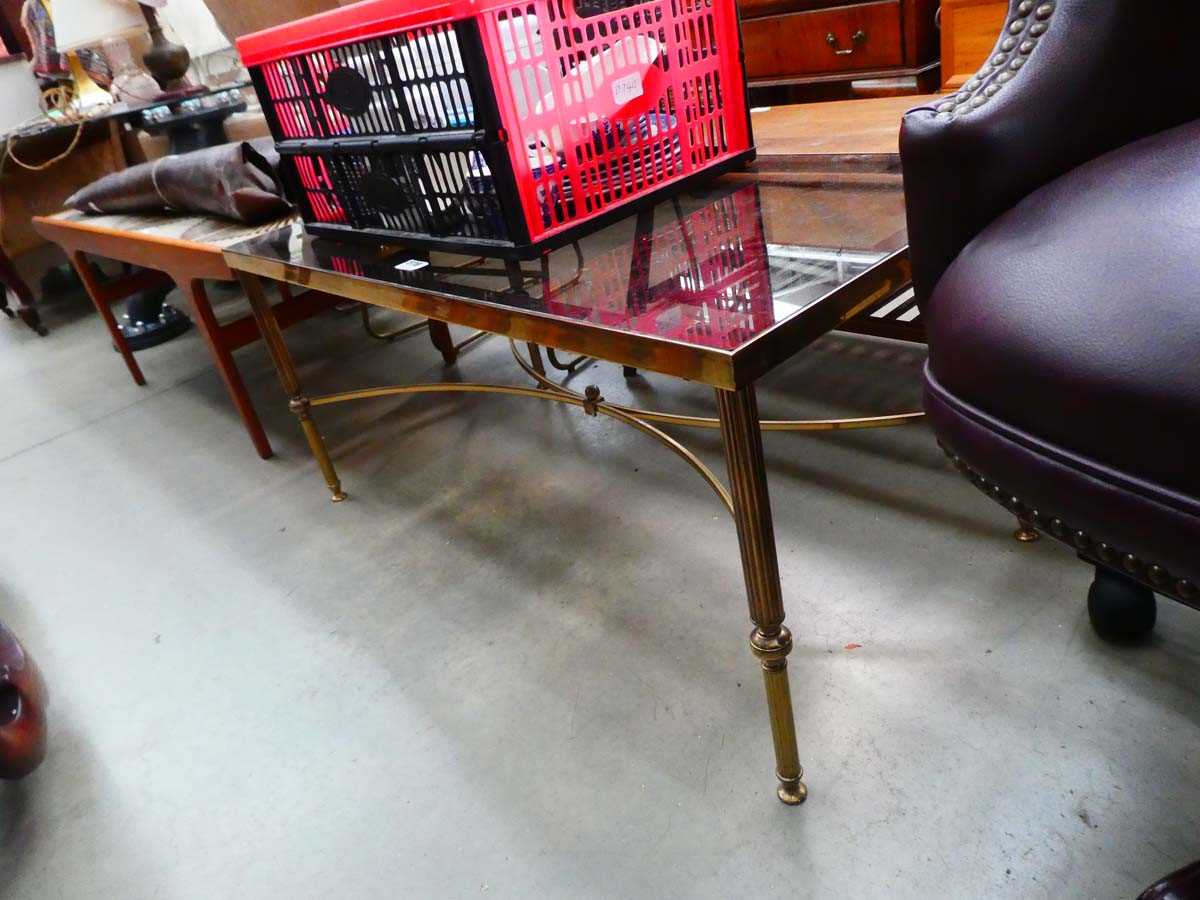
[(411, 265), (626, 88)]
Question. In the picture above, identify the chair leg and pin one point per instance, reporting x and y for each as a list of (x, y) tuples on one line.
[(1120, 608), (11, 280)]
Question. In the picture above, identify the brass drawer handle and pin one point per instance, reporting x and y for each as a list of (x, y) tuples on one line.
[(859, 37)]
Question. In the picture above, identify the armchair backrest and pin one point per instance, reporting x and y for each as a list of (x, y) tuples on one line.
[(1068, 81)]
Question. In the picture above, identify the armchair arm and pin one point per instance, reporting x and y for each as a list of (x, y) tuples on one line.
[(1067, 81)]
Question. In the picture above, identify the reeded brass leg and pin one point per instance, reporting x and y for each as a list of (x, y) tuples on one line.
[(770, 641), (1025, 532), (300, 406), (772, 651), (535, 358), (268, 327)]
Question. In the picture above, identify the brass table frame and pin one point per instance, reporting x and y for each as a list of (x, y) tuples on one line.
[(731, 373)]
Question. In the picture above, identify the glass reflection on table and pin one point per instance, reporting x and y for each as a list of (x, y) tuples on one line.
[(698, 269)]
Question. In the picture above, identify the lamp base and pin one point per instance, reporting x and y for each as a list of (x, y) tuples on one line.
[(129, 84), (167, 62), (87, 94)]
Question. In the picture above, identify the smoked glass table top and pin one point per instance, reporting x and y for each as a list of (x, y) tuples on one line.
[(720, 283)]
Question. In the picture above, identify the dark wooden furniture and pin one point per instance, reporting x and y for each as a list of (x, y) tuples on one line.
[(11, 282), (22, 709), (25, 194), (12, 33), (721, 285), (969, 30), (808, 49), (1182, 884)]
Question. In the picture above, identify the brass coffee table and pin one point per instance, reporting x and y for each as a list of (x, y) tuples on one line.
[(720, 286)]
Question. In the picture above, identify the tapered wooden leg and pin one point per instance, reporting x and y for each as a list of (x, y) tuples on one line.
[(268, 327), (439, 333), (770, 641), (95, 291), (210, 330)]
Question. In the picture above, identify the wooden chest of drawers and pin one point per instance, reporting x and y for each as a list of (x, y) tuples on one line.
[(794, 43)]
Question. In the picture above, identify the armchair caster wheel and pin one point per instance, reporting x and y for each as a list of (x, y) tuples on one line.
[(1119, 607)]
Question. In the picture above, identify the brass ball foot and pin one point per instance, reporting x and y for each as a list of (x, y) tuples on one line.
[(337, 497), (792, 794), (1026, 535)]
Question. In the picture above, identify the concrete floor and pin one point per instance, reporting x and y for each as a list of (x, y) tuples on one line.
[(514, 664)]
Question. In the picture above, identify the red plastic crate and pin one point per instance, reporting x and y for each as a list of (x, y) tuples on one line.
[(499, 127)]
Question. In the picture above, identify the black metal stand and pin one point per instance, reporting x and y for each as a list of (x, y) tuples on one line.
[(149, 321)]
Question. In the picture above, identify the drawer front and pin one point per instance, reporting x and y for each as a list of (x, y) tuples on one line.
[(866, 36), (756, 9)]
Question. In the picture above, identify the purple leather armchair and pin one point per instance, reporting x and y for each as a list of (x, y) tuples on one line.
[(1054, 222)]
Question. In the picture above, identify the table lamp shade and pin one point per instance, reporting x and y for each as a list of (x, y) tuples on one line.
[(85, 23), (191, 24)]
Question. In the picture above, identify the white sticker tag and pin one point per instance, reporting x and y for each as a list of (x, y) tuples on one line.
[(626, 88), (411, 265)]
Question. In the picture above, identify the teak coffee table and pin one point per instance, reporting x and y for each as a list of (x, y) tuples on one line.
[(185, 250), (719, 286)]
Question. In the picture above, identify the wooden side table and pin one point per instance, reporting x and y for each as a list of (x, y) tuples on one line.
[(10, 280), (25, 194)]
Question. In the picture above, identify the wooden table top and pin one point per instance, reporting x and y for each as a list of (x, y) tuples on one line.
[(205, 234), (843, 128)]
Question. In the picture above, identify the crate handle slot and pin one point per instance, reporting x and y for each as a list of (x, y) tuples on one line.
[(347, 91)]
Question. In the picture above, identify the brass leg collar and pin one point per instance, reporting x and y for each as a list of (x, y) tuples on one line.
[(771, 647)]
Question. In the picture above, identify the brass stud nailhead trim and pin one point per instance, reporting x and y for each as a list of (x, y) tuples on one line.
[(986, 83), (1155, 575)]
